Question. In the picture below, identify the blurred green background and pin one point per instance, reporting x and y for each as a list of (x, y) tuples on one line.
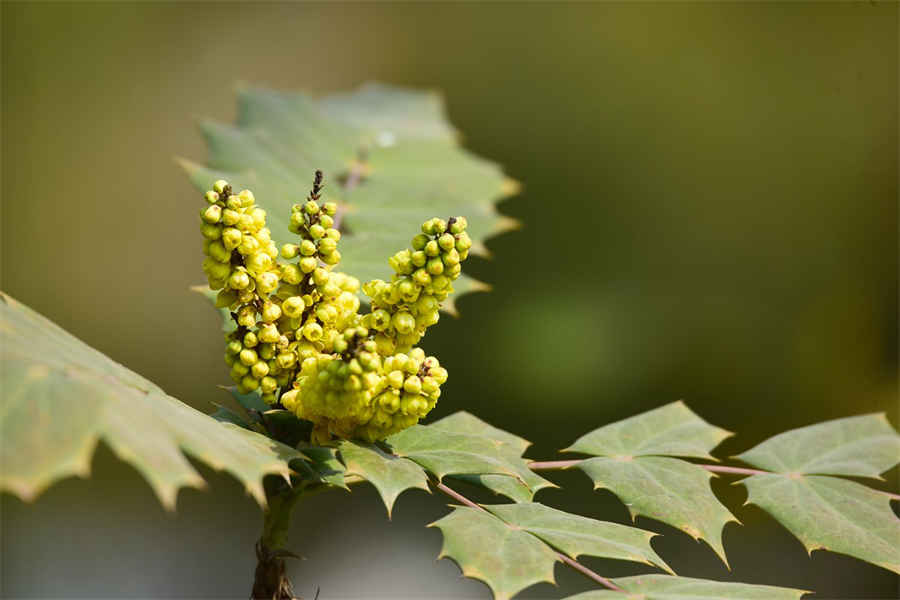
[(709, 210)]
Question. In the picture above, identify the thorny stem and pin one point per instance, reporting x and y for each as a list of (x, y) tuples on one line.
[(569, 561)]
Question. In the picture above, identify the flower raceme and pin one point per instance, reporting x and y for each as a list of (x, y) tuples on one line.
[(300, 340)]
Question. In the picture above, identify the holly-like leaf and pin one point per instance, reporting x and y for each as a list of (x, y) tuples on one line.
[(391, 475), (670, 430), (829, 513), (506, 558), (576, 535), (666, 587), (666, 489), (60, 397), (634, 462), (468, 424), (324, 463), (519, 489), (444, 453), (864, 446), (395, 144)]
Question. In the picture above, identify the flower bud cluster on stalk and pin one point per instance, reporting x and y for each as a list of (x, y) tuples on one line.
[(300, 340)]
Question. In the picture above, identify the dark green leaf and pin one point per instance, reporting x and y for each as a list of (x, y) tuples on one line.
[(666, 489), (390, 475), (576, 535), (506, 558)]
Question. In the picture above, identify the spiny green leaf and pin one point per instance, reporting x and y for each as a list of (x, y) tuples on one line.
[(60, 396), (399, 140), (670, 430), (521, 489), (468, 424), (576, 535), (828, 513), (390, 475), (325, 464), (666, 489), (444, 453), (863, 446), (506, 558), (666, 587)]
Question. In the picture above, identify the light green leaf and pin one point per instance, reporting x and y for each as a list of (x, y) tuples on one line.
[(390, 475), (521, 489), (399, 139), (828, 513), (506, 558), (468, 424), (576, 535), (670, 430), (666, 489), (444, 453), (864, 446), (60, 397), (666, 587)]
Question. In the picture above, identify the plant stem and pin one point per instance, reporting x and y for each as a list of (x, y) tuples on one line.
[(569, 561), (271, 581)]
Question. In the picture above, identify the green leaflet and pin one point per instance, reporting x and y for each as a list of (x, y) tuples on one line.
[(61, 396), (413, 168), (666, 489), (670, 430), (665, 587), (325, 466), (576, 535), (507, 559), (444, 453), (634, 463), (468, 424), (864, 446), (829, 513), (519, 489), (390, 475)]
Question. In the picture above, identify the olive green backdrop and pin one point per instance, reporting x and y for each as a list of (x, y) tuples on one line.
[(709, 210)]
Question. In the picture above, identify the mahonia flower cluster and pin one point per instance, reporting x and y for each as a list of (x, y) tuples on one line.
[(300, 340)]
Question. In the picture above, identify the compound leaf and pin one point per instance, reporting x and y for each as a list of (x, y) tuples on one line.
[(864, 446), (666, 587), (506, 558), (391, 475), (666, 489), (397, 141), (670, 430), (829, 513), (576, 535), (60, 397)]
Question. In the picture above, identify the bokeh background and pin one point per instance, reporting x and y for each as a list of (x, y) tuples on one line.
[(709, 213)]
